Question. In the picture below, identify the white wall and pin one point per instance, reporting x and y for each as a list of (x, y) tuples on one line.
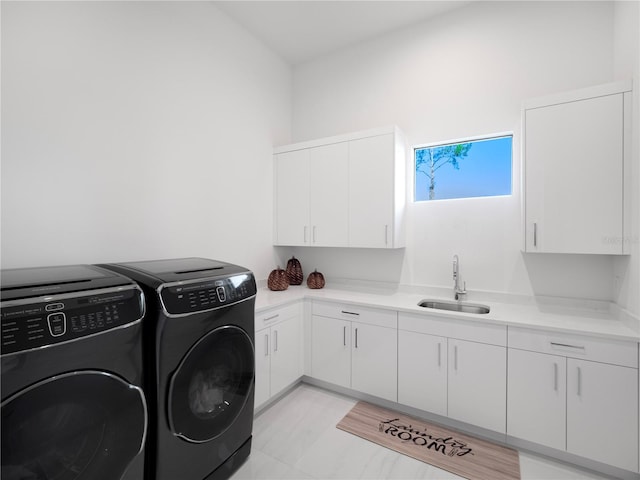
[(137, 130), (145, 130), (627, 65), (462, 74)]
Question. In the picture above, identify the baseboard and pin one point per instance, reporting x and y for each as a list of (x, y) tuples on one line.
[(265, 406)]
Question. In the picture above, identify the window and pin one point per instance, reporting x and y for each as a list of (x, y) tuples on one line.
[(475, 168)]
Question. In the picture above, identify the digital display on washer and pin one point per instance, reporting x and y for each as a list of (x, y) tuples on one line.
[(207, 294), (32, 325)]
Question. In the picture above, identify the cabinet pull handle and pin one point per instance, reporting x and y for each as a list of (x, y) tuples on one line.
[(386, 234), (579, 382), (439, 354), (271, 317), (266, 345), (566, 345), (535, 234), (313, 233), (344, 336), (555, 376), (356, 338), (305, 234), (275, 340), (455, 357), (350, 313)]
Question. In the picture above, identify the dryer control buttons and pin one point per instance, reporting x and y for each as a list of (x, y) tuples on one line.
[(222, 296), (57, 324), (52, 307)]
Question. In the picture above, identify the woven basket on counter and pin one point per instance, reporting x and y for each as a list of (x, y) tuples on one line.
[(315, 280), (278, 280), (294, 271)]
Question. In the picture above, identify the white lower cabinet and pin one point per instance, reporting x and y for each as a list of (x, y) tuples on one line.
[(477, 384), (331, 350), (278, 351), (263, 367), (355, 347), (286, 366), (374, 360), (537, 389), (573, 393), (422, 371), (602, 412), (453, 368)]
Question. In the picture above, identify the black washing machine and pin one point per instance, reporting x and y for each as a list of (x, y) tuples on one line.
[(73, 406), (199, 332)]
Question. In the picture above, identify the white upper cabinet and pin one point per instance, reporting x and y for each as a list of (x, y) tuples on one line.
[(344, 191), (371, 202), (328, 195), (311, 196), (575, 153), (292, 198)]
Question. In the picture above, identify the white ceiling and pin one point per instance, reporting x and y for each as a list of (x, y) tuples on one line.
[(302, 30)]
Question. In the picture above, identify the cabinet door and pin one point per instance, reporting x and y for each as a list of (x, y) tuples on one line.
[(286, 358), (292, 198), (602, 412), (329, 195), (331, 350), (263, 367), (371, 195), (574, 176), (477, 384), (536, 398), (422, 371), (374, 360)]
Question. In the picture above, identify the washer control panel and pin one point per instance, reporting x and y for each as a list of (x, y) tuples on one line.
[(191, 297), (34, 323)]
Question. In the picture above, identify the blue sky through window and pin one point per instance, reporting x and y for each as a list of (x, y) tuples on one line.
[(484, 170)]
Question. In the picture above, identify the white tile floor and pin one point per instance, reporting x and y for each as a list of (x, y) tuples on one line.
[(297, 438)]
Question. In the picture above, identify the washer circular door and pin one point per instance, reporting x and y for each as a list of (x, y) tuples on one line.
[(211, 385), (80, 425)]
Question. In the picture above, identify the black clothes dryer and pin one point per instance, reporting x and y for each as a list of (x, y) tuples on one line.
[(73, 406), (199, 332)]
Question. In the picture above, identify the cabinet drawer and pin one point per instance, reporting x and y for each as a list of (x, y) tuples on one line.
[(453, 328), (355, 313), (274, 315), (616, 352)]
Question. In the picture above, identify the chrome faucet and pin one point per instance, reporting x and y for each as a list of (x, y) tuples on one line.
[(456, 279)]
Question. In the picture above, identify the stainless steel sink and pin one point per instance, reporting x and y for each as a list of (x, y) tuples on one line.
[(455, 306)]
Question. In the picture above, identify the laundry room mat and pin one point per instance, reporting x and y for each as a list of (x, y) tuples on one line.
[(447, 449)]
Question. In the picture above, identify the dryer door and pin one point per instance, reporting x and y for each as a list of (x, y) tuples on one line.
[(211, 385), (81, 425)]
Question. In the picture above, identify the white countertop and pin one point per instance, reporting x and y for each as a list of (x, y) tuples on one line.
[(599, 322)]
